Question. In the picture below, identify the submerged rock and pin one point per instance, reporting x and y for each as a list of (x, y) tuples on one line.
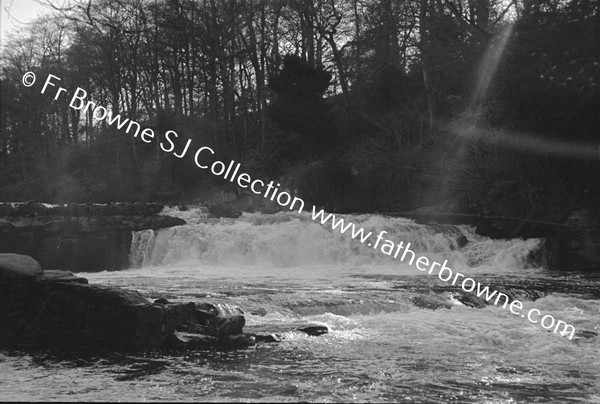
[(470, 300), (314, 329), (270, 338), (223, 210), (161, 301), (238, 341), (186, 340), (585, 334), (259, 312), (432, 302)]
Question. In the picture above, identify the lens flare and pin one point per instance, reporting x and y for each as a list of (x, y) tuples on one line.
[(526, 142)]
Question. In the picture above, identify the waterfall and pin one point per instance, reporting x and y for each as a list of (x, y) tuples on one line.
[(289, 240), (142, 243)]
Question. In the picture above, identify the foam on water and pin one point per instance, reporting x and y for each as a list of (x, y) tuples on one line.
[(191, 214), (290, 240), (285, 271)]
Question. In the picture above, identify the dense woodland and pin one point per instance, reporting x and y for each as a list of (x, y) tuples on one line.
[(485, 106)]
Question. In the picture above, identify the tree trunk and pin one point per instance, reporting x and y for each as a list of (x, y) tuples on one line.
[(426, 62)]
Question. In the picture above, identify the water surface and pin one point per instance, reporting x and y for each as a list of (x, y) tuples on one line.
[(285, 270)]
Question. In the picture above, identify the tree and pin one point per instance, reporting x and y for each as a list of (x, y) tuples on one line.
[(299, 108)]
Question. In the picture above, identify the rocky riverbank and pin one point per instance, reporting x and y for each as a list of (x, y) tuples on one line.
[(56, 309), (77, 237), (570, 245)]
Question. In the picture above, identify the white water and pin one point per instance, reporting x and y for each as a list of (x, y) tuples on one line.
[(285, 270), (288, 240)]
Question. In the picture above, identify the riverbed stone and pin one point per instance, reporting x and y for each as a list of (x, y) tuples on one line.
[(16, 266), (432, 301), (586, 334), (314, 329), (268, 338), (186, 340), (470, 300)]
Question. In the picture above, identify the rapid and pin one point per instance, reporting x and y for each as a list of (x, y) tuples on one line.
[(284, 270)]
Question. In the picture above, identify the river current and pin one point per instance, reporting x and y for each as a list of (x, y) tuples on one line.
[(285, 270)]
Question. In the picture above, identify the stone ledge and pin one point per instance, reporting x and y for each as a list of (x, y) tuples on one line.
[(77, 237)]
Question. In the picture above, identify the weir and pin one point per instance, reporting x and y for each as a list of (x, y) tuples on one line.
[(289, 240)]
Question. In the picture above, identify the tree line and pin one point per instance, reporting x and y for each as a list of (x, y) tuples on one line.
[(347, 101)]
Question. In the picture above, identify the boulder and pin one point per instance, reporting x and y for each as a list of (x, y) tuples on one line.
[(229, 319), (314, 329), (59, 310), (15, 266)]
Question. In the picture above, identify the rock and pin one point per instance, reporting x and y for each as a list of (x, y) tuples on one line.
[(457, 238), (161, 301), (586, 334), (582, 240), (229, 319), (60, 276), (314, 329), (238, 341), (259, 312), (60, 310), (50, 313), (227, 310), (15, 266), (77, 237), (270, 338), (461, 241), (6, 226), (470, 300), (76, 250), (28, 209), (432, 302), (223, 211), (185, 341)]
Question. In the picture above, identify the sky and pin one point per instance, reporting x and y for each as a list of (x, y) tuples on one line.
[(17, 13)]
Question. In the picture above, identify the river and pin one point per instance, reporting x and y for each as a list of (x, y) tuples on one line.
[(285, 270)]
